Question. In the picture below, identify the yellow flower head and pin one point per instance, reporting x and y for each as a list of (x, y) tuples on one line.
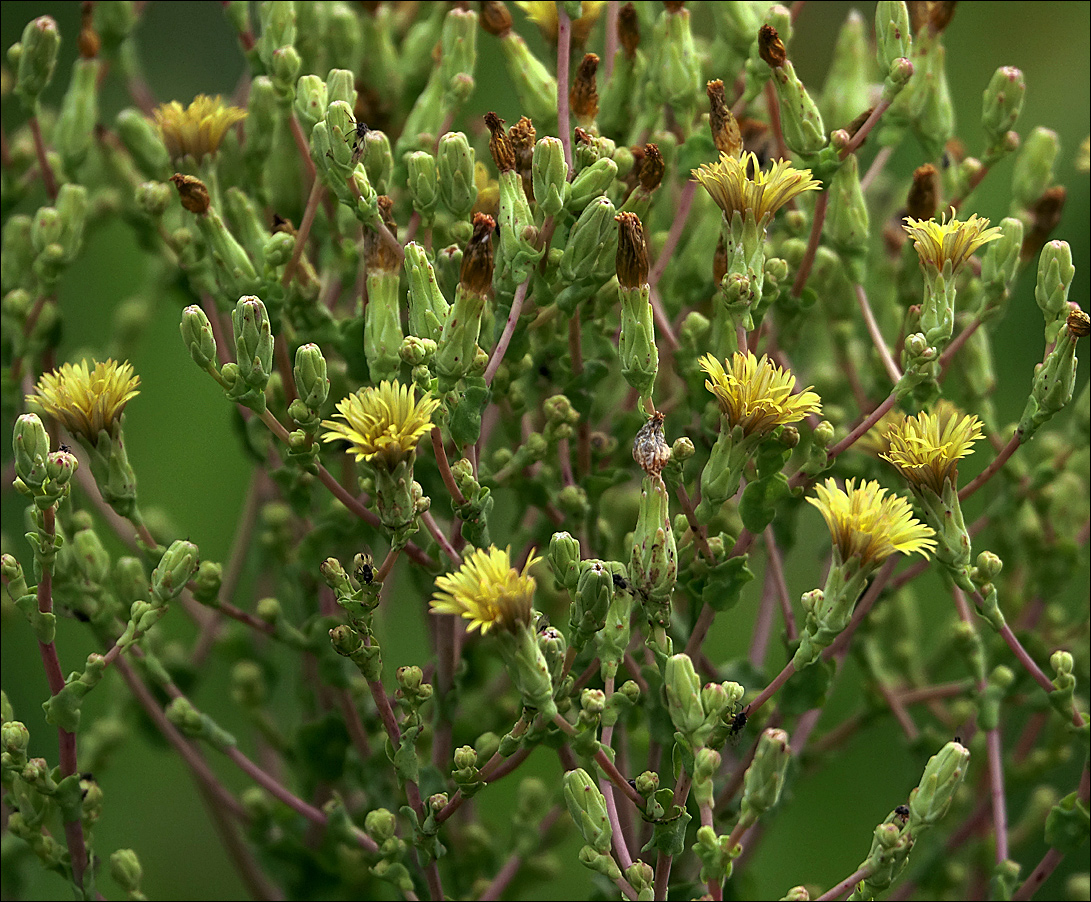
[(199, 129), (757, 394), (543, 13), (87, 401), (868, 525), (736, 191), (954, 242), (926, 448), (383, 424), (488, 591)]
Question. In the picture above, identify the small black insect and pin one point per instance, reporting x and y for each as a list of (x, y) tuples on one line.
[(620, 582), (902, 813), (360, 133), (738, 724), (63, 447), (365, 568)]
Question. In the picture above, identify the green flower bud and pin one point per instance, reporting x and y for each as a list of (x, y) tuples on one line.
[(192, 722), (847, 223), (848, 83), (30, 443), (93, 561), (76, 122), (1055, 274), (517, 251), (457, 188), (591, 249), (590, 183), (674, 64), (130, 581), (587, 806), (378, 160), (1033, 172), (248, 686), (207, 582), (341, 85), (284, 70), (943, 775), (706, 763), (804, 131), (764, 778), (380, 825), (311, 101), (458, 48), (564, 559), (197, 334), (428, 308), (549, 172), (175, 569), (278, 29), (345, 640), (423, 183), (1002, 103), (683, 689), (311, 381), (1054, 380), (893, 33), (15, 738), (126, 871), (653, 560), (35, 58), (253, 341), (1000, 262), (153, 198), (593, 592), (535, 86), (554, 647), (528, 669)]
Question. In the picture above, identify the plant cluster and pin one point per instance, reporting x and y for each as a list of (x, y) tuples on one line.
[(565, 390)]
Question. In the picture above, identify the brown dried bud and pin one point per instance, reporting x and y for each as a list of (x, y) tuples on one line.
[(379, 254), (771, 47), (584, 96), (725, 130), (628, 29), (650, 449), (853, 127), (632, 251), (922, 201), (88, 41), (192, 192), (475, 275), (719, 261), (652, 168), (1045, 216), (499, 144), (935, 14), (280, 224), (495, 18), (1079, 323), (522, 136), (673, 6)]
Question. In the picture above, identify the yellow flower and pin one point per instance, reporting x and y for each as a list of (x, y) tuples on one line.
[(757, 394), (87, 401), (926, 448), (199, 129), (954, 242), (488, 591), (383, 424), (867, 525), (736, 191), (544, 15)]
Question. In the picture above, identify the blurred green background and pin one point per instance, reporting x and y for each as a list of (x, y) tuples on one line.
[(190, 465)]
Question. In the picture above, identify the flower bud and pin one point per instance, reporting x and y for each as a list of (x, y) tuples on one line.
[(943, 775), (458, 48), (590, 183), (378, 160), (1034, 164), (587, 806), (175, 569), (311, 101), (30, 443), (76, 121), (126, 871), (423, 183), (253, 341), (197, 334), (1002, 103), (674, 63), (893, 33), (847, 224), (311, 382), (35, 58), (1055, 274), (380, 825), (428, 308), (550, 175), (764, 778), (457, 188), (564, 559), (683, 689), (592, 244), (847, 89)]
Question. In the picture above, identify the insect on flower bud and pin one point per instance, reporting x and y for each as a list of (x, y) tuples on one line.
[(771, 47), (477, 262), (632, 251)]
